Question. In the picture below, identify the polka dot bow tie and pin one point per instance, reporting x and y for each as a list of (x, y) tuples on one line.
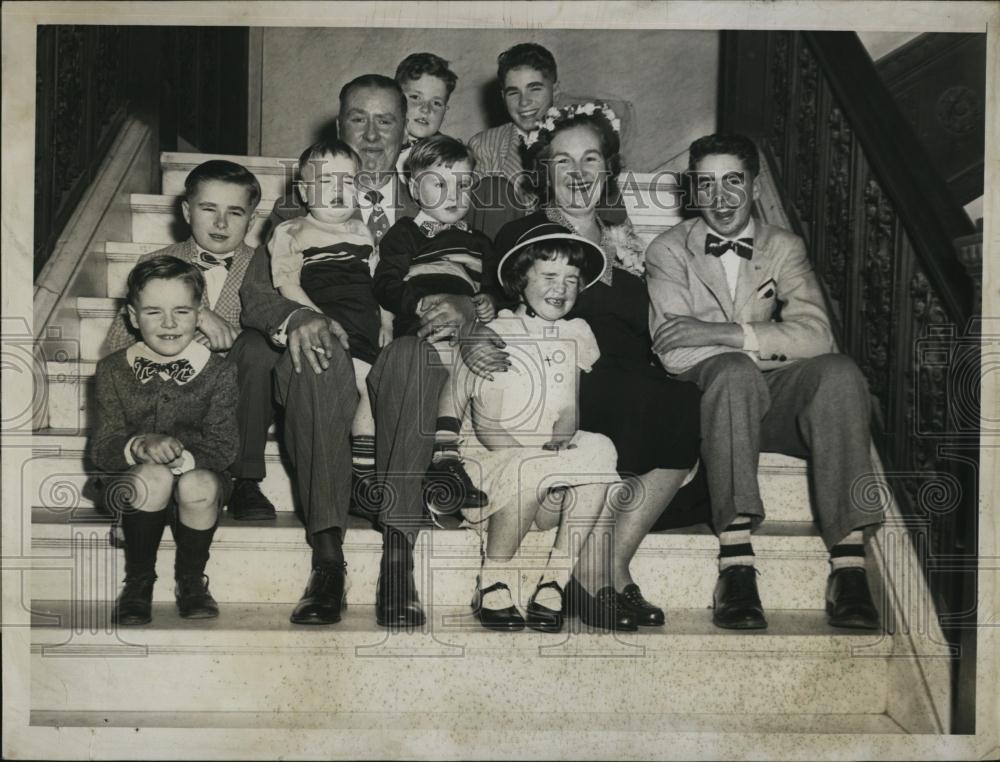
[(716, 246), (431, 228)]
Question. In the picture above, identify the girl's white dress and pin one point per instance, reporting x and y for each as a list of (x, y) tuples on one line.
[(541, 381)]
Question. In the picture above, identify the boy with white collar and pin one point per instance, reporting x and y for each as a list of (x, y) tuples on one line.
[(436, 253), (736, 308), (166, 425)]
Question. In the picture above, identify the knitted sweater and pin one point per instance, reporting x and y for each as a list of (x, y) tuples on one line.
[(201, 413), (412, 265)]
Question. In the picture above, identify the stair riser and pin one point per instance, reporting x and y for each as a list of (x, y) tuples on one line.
[(60, 481), (328, 679), (793, 570), (163, 223), (274, 182)]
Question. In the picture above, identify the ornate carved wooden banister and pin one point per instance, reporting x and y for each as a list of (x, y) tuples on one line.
[(894, 255)]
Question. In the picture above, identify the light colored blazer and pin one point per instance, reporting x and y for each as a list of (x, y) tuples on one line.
[(227, 306), (683, 280)]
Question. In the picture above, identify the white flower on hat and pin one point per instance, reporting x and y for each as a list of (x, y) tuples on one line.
[(587, 108), (616, 125), (553, 111), (608, 113)]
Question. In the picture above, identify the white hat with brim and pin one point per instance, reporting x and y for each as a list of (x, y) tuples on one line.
[(592, 270)]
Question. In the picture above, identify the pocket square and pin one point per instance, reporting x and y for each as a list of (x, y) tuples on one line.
[(767, 289)]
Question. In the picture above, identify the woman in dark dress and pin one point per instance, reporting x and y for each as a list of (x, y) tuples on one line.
[(652, 419)]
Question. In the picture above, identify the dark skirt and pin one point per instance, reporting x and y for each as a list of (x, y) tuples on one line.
[(653, 419), (655, 422)]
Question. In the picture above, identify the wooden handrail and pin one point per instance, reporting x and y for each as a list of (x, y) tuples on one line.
[(931, 217)]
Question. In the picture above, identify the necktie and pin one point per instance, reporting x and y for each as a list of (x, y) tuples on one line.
[(378, 221), (431, 228), (180, 371), (207, 261), (716, 246)]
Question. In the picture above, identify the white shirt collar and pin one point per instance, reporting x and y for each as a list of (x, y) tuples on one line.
[(196, 354)]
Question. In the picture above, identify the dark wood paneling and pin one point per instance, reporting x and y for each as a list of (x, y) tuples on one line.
[(82, 97), (939, 83), (893, 251)]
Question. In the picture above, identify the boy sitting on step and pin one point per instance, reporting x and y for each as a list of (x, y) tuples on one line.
[(166, 427), (219, 202), (422, 257)]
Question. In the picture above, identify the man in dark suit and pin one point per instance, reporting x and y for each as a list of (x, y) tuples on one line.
[(314, 382)]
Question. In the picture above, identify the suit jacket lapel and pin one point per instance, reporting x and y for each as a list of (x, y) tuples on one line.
[(229, 296), (708, 268), (189, 253), (753, 273)]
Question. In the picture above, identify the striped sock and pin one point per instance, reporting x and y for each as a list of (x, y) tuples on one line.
[(446, 438), (362, 456), (735, 548), (849, 552)]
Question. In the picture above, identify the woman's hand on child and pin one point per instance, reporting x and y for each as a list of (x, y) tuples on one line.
[(485, 308), (483, 352), (314, 337), (219, 333), (156, 448)]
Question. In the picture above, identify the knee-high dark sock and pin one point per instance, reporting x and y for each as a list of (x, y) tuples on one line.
[(143, 531), (735, 548), (192, 549), (446, 438), (397, 547), (327, 548)]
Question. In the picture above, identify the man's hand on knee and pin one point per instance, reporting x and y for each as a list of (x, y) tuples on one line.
[(315, 337)]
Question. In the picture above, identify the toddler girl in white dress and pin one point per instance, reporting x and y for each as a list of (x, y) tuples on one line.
[(523, 446)]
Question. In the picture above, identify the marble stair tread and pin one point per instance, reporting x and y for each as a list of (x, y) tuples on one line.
[(266, 624), (538, 722), (269, 562), (156, 218), (274, 174), (286, 521), (251, 659), (61, 476)]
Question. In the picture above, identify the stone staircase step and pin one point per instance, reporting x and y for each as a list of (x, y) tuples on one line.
[(157, 219), (274, 174), (489, 729), (62, 478), (675, 568), (809, 667), (96, 313), (121, 258)]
